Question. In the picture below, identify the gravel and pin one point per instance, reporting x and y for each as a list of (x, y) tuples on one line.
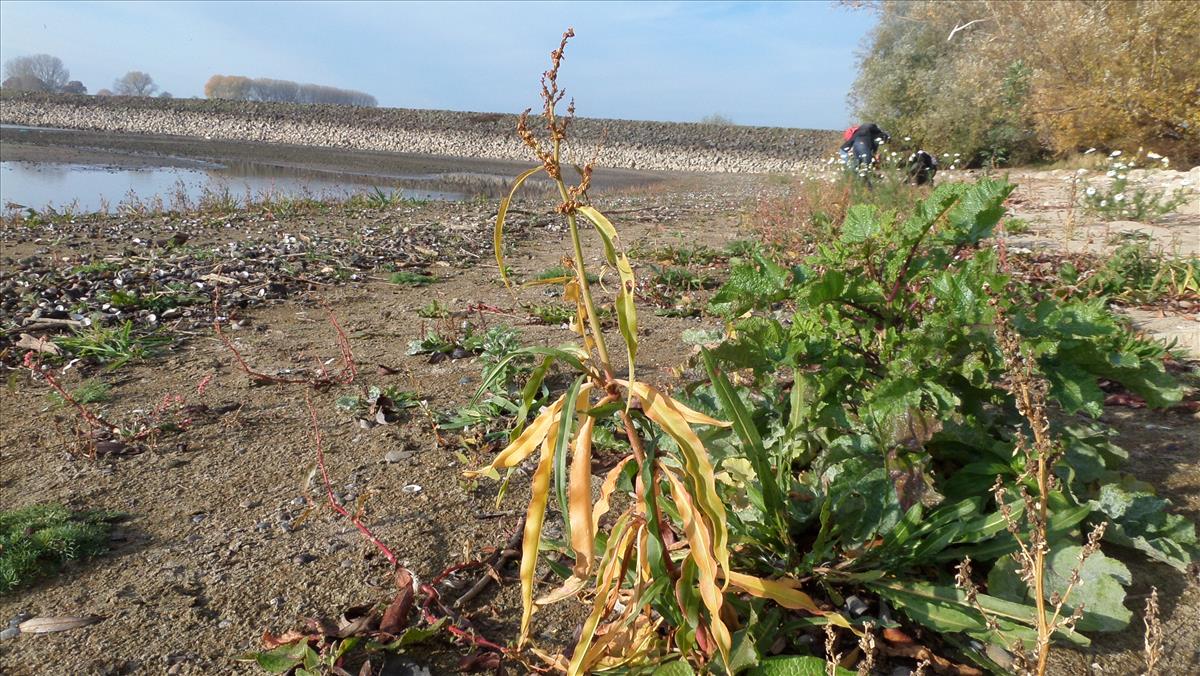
[(674, 146)]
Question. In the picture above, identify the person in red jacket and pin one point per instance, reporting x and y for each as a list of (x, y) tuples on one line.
[(862, 145)]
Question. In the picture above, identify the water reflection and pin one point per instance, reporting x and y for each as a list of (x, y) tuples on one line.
[(85, 188)]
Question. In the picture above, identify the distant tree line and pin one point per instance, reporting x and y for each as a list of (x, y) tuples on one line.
[(40, 73), (1015, 80), (239, 88), (46, 73)]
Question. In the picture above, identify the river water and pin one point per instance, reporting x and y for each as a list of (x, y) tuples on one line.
[(87, 188)]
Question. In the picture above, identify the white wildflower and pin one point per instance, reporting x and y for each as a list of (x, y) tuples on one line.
[(1119, 197), (1103, 203), (1110, 173), (907, 138), (1090, 192)]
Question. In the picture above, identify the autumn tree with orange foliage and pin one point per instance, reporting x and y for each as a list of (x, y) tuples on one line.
[(1015, 80)]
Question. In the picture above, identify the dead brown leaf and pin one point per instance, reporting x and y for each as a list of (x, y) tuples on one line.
[(46, 625), (479, 662), (290, 636), (41, 345), (395, 618)]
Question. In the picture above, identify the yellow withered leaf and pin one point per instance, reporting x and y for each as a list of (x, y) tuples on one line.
[(498, 233), (525, 444), (783, 591), (570, 587), (539, 493), (700, 542), (697, 418), (579, 494), (665, 411), (606, 491), (608, 580)]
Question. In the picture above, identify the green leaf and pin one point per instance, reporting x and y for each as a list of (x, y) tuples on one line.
[(831, 286), (1139, 519), (626, 310), (1100, 590), (862, 223), (796, 665), (1075, 389), (676, 668), (757, 283), (562, 445), (277, 660), (752, 445), (945, 608), (415, 635)]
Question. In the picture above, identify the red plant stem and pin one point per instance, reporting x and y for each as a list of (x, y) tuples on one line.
[(467, 636), (349, 370), (345, 376), (337, 507), (94, 420)]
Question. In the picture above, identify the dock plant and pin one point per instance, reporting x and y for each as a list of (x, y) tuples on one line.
[(659, 570)]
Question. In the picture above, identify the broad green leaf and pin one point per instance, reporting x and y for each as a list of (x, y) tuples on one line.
[(1139, 519), (674, 668), (1100, 590), (279, 660), (862, 222), (415, 635), (796, 665), (946, 609)]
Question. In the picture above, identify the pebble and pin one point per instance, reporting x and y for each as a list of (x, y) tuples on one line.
[(298, 502), (248, 504), (303, 559), (224, 624), (856, 606), (397, 456), (411, 489), (9, 633)]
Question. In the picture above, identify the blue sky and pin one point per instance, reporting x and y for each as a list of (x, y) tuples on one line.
[(780, 64)]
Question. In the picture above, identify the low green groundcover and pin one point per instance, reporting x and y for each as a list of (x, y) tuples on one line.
[(36, 541)]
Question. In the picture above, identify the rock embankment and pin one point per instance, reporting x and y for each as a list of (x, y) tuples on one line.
[(672, 146)]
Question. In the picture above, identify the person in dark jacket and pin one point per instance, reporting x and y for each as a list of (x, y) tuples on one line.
[(863, 145), (921, 168)]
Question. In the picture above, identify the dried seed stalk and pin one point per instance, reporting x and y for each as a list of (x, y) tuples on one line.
[(1029, 390), (1154, 632)]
